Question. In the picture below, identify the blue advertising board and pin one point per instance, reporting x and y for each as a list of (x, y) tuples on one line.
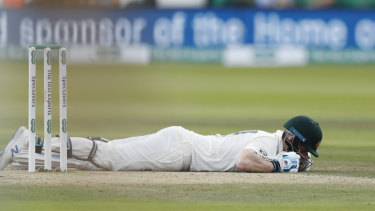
[(195, 29), (329, 29)]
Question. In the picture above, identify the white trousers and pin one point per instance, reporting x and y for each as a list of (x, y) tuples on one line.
[(169, 149)]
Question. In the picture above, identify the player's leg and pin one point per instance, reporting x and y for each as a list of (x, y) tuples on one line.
[(82, 149), (17, 151), (162, 151)]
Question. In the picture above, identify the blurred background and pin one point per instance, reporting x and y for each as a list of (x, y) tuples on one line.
[(269, 4), (228, 32)]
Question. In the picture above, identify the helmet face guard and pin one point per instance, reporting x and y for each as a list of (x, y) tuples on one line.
[(294, 142)]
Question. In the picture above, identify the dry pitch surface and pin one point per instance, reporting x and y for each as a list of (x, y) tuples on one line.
[(106, 178)]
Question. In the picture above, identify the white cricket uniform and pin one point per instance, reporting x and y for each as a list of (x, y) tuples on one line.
[(178, 149)]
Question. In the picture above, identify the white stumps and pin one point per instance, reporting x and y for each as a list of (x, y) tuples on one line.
[(63, 109), (47, 108), (32, 107), (46, 152)]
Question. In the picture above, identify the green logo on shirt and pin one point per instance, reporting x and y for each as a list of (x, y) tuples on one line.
[(263, 152)]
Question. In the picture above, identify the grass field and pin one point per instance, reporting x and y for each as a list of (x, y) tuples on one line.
[(117, 101)]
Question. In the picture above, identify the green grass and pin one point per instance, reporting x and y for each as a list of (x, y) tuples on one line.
[(129, 204), (190, 197), (226, 193), (117, 101)]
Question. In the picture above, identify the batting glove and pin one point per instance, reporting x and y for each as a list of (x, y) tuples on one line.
[(286, 162)]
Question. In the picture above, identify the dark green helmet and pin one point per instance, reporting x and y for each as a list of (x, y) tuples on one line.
[(307, 130)]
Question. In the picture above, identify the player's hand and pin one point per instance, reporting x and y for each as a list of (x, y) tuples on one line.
[(289, 161)]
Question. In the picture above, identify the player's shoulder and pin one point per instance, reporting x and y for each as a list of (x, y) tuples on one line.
[(265, 144), (250, 132), (264, 135)]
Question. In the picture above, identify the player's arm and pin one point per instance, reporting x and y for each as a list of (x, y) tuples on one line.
[(250, 161)]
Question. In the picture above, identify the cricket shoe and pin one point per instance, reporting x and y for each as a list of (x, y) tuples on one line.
[(18, 142)]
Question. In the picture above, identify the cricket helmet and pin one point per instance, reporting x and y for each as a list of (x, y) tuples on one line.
[(307, 130)]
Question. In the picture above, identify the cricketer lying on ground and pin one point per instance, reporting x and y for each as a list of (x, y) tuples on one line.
[(178, 149)]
